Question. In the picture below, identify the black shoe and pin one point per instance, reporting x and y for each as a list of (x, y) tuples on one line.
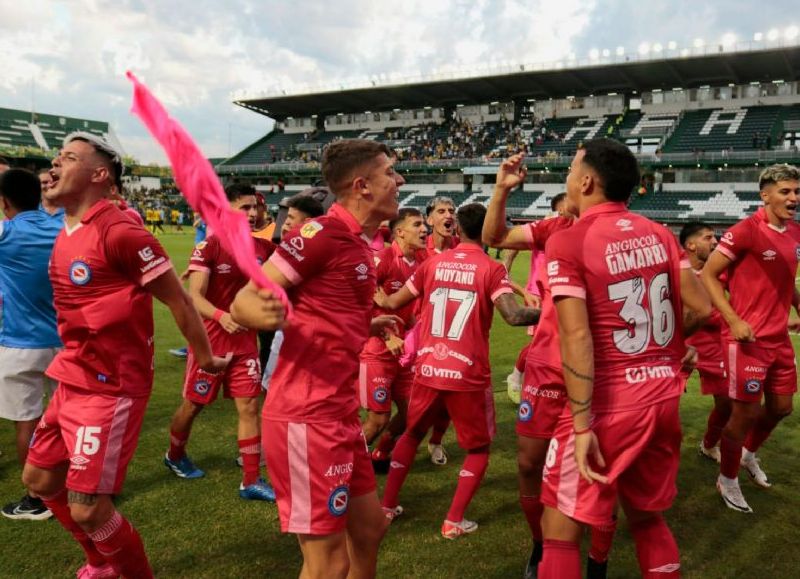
[(28, 508), (532, 569), (595, 570)]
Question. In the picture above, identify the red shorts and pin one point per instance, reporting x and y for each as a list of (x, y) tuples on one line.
[(541, 401), (753, 369), (240, 379), (315, 468), (642, 451), (380, 382), (713, 383), (471, 411), (96, 433)]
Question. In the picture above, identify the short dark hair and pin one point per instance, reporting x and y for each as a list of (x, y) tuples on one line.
[(615, 165), (402, 215), (470, 219), (556, 199), (691, 229), (341, 158), (306, 204), (233, 192), (21, 188)]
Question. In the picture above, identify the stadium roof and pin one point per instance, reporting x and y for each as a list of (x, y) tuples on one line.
[(713, 69)]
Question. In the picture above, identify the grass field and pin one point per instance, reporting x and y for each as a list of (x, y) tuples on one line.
[(201, 528)]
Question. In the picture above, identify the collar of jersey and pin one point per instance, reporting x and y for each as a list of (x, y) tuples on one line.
[(338, 212), (761, 213), (95, 210), (606, 207)]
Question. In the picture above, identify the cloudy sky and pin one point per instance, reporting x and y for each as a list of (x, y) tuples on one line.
[(69, 57)]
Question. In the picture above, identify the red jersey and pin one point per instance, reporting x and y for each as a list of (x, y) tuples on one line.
[(105, 315), (708, 342), (627, 269), (225, 279), (457, 290), (392, 270), (330, 265), (431, 250), (761, 277)]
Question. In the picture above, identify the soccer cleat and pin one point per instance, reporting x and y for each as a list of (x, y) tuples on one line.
[(180, 352), (380, 461), (753, 466), (258, 491), (451, 530), (514, 386), (183, 468), (595, 569), (732, 495), (392, 513), (709, 453), (91, 572), (438, 454), (27, 509)]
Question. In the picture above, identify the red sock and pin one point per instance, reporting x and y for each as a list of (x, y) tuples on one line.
[(760, 432), (250, 451), (469, 479), (402, 460), (440, 426), (561, 560), (730, 451), (602, 537), (177, 444), (523, 355), (656, 549), (716, 422), (60, 509), (122, 546), (533, 507), (385, 444)]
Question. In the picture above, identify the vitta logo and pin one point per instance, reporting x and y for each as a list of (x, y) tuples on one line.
[(433, 372), (769, 255), (80, 273), (146, 254), (624, 225), (552, 268), (298, 243), (642, 373)]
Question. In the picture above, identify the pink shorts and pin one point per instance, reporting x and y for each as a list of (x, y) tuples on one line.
[(382, 381), (713, 383), (96, 433), (641, 449), (240, 379), (472, 413), (754, 369), (541, 401), (315, 468)]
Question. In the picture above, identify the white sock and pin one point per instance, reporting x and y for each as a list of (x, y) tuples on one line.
[(728, 481)]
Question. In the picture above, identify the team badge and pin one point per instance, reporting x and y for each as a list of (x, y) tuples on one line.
[(380, 395), (80, 273), (752, 386), (310, 229), (338, 501), (441, 351), (201, 387), (525, 411)]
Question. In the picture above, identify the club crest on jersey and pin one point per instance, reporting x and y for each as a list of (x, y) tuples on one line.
[(310, 229), (752, 386), (525, 411), (202, 387), (80, 273), (380, 395), (338, 501)]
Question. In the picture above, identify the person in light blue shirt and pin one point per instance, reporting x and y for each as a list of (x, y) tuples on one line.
[(28, 336)]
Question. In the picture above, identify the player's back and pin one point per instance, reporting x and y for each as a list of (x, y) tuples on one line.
[(627, 268), (457, 290)]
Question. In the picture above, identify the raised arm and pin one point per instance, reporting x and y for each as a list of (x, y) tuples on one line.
[(495, 233)]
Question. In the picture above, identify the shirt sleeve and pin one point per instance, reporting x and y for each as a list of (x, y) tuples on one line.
[(303, 252), (416, 283), (564, 274), (204, 255), (134, 252), (498, 282), (538, 232), (736, 241)]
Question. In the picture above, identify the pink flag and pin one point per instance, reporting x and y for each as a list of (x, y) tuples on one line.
[(201, 187)]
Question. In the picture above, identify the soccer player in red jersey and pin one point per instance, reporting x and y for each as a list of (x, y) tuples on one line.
[(440, 217), (315, 451), (619, 438), (104, 270), (458, 290), (381, 378), (760, 256), (214, 280), (698, 241)]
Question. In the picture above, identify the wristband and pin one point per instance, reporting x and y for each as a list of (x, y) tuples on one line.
[(218, 315), (584, 431)]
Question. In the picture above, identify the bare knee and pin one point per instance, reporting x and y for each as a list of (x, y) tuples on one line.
[(377, 420), (43, 482), (779, 408)]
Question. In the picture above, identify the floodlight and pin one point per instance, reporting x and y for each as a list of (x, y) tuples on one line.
[(620, 50), (773, 34), (699, 43), (594, 54), (791, 33), (758, 36), (606, 53), (644, 48), (684, 52), (672, 45), (728, 40), (657, 47)]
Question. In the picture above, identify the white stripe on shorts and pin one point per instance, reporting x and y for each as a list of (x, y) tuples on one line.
[(299, 479)]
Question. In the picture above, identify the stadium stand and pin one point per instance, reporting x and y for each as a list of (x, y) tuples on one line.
[(725, 129)]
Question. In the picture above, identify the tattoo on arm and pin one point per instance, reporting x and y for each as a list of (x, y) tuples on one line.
[(581, 402), (577, 374), (581, 410), (81, 498)]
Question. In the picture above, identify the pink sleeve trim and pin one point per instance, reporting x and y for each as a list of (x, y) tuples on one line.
[(686, 264), (412, 288), (529, 233), (501, 291), (568, 291), (156, 272), (195, 267), (726, 252), (285, 268)]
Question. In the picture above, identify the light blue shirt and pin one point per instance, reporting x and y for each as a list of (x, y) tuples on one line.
[(27, 316)]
